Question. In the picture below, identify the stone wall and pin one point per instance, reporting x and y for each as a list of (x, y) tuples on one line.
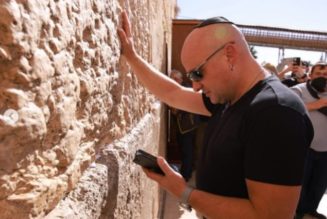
[(71, 112)]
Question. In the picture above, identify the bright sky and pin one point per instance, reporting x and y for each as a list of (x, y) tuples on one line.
[(293, 14)]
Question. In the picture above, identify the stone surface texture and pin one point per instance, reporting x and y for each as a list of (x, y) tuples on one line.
[(72, 113)]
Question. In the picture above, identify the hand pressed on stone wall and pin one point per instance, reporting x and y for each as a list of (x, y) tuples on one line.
[(166, 89), (126, 38)]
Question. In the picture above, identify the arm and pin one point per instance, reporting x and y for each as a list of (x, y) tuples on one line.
[(266, 201), (282, 73), (316, 105), (166, 89)]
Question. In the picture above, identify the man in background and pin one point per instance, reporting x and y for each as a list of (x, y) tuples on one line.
[(186, 125), (314, 95)]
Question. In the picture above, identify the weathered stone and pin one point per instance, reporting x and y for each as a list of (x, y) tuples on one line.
[(68, 99), (4, 54)]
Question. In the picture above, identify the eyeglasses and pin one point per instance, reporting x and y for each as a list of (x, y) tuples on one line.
[(196, 74)]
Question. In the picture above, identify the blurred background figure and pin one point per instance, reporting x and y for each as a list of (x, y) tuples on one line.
[(186, 131), (295, 71), (270, 67), (314, 95)]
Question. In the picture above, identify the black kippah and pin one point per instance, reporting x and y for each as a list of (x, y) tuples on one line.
[(213, 20)]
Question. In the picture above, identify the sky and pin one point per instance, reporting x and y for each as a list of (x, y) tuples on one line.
[(293, 14)]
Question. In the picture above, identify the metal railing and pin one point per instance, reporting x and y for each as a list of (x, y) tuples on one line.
[(276, 37)]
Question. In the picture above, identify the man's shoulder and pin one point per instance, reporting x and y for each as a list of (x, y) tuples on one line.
[(275, 94)]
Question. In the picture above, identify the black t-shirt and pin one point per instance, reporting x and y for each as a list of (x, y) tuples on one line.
[(263, 137)]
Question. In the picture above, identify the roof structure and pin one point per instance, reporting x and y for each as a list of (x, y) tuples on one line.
[(277, 37)]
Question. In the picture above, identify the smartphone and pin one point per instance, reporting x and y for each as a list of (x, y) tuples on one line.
[(292, 60), (297, 61), (149, 161)]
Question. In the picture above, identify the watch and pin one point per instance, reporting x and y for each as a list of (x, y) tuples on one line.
[(185, 197)]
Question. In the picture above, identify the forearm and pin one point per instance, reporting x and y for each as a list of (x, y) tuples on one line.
[(214, 206), (166, 89), (156, 82), (316, 105), (266, 201), (281, 74)]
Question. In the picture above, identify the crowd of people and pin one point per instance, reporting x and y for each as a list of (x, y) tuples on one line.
[(309, 82), (264, 153)]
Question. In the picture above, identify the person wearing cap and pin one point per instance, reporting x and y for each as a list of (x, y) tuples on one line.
[(314, 95), (247, 168)]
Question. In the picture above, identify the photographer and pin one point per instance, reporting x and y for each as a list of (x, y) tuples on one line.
[(314, 95), (298, 71)]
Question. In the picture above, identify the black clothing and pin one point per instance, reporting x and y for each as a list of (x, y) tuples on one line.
[(290, 82), (313, 92), (263, 137)]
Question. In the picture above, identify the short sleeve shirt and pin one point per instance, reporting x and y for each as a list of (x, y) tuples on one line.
[(264, 137)]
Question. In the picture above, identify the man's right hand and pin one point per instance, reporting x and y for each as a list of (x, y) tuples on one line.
[(125, 36)]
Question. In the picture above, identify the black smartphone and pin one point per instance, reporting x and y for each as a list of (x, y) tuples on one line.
[(149, 161), (297, 61)]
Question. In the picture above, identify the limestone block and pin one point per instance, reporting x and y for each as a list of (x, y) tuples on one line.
[(41, 66), (66, 95), (87, 200), (127, 193)]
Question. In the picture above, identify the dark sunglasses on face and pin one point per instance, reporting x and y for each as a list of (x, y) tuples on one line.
[(196, 74)]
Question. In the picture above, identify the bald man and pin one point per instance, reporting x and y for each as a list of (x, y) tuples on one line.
[(251, 164)]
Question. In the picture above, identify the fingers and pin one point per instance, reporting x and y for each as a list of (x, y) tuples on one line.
[(169, 170), (164, 166), (152, 175), (121, 35), (126, 24), (125, 37)]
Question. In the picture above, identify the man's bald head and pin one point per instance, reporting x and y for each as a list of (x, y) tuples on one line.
[(206, 37)]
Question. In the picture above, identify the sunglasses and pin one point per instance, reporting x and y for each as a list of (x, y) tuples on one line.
[(196, 74)]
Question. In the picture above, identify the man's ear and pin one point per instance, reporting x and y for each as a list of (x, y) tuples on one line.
[(231, 53)]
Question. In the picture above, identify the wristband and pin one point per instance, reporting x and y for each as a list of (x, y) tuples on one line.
[(185, 197)]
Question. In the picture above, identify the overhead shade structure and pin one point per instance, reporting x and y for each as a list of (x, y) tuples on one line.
[(285, 38), (274, 37)]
